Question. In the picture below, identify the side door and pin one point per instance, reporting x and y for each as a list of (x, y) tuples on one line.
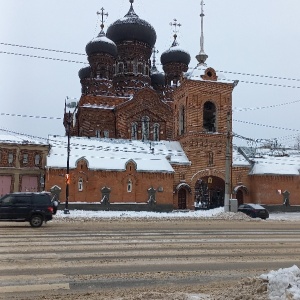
[(6, 207), (29, 183), (182, 199), (22, 206)]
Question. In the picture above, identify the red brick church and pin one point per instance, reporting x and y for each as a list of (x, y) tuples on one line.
[(146, 138)]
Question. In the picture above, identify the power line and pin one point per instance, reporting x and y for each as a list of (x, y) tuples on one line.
[(268, 84), (43, 49), (264, 107), (221, 71), (22, 134), (62, 144), (43, 57), (254, 75), (234, 134), (263, 125), (260, 83), (29, 116)]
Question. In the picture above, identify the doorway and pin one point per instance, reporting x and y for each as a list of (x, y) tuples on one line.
[(209, 192), (182, 199)]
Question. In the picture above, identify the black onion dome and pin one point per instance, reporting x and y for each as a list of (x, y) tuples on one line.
[(157, 78), (101, 44), (175, 54), (84, 72), (132, 28)]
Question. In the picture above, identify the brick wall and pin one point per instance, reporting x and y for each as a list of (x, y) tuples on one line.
[(264, 189), (117, 181)]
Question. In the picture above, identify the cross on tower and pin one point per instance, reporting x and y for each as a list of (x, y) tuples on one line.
[(102, 17), (176, 26), (154, 52)]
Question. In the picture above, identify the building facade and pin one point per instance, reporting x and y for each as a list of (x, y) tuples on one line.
[(22, 164), (140, 136)]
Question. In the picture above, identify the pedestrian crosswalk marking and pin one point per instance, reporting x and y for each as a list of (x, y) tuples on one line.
[(34, 288)]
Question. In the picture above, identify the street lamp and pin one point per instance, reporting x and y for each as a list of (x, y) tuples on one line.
[(66, 210), (228, 165)]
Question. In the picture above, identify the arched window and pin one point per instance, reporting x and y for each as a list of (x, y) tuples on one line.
[(80, 185), (134, 131), (120, 68), (156, 132), (129, 186), (140, 68), (209, 117), (181, 120), (145, 128)]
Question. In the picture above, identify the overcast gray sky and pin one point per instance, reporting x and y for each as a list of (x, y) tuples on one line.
[(259, 37)]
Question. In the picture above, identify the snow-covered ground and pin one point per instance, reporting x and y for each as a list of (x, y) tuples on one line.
[(282, 284), (217, 213)]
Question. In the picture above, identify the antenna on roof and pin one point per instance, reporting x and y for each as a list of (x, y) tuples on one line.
[(202, 57)]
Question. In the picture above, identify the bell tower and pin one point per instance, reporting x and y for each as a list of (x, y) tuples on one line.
[(202, 121)]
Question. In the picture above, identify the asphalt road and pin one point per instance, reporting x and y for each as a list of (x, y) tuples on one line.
[(118, 259)]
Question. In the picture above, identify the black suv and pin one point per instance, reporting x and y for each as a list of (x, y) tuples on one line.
[(20, 207)]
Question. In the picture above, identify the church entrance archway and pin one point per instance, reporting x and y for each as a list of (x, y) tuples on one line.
[(182, 199), (209, 192), (240, 193)]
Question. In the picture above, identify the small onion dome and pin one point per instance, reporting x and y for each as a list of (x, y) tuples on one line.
[(101, 44), (157, 78), (175, 54), (84, 72), (132, 28)]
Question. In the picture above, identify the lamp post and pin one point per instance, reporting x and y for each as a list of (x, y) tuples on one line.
[(228, 166), (66, 210)]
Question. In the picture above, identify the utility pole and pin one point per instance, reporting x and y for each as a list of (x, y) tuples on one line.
[(66, 210), (228, 165)]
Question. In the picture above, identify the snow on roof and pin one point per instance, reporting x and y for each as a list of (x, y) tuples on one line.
[(238, 160), (176, 48), (19, 139), (101, 106), (103, 39), (198, 71), (273, 161), (285, 165), (114, 154)]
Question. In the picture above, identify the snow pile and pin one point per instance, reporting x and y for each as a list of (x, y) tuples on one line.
[(141, 215), (216, 214), (233, 216), (284, 283)]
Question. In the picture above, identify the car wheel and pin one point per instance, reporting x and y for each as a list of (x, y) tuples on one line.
[(36, 221)]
